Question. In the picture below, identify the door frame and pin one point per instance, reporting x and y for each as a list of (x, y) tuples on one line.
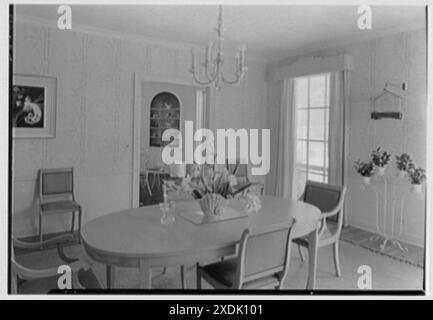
[(139, 78)]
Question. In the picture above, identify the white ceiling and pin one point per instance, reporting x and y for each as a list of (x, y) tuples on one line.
[(270, 31)]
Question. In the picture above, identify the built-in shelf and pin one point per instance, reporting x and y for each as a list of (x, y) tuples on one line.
[(163, 117)]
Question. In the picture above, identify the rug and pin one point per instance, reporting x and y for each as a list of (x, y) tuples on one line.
[(363, 238)]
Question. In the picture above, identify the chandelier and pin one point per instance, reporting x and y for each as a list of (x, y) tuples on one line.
[(213, 67)]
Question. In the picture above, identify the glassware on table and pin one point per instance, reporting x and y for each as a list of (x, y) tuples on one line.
[(168, 210)]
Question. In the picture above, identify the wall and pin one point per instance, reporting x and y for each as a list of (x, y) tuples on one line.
[(395, 58), (95, 73)]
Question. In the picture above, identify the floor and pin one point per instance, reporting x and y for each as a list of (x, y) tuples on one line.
[(387, 273)]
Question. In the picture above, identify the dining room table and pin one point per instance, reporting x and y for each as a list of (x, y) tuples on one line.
[(137, 238)]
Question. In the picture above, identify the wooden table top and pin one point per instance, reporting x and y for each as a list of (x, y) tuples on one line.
[(138, 233)]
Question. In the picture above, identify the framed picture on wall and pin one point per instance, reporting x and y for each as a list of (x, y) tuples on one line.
[(32, 107)]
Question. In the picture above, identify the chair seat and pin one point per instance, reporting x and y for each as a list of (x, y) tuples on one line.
[(328, 233), (43, 286), (224, 272), (59, 206)]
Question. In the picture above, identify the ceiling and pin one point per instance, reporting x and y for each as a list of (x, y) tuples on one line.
[(269, 31)]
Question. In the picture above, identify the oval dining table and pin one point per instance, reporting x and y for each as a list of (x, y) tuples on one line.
[(136, 237)]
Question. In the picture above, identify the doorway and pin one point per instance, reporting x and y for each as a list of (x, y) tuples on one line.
[(160, 104)]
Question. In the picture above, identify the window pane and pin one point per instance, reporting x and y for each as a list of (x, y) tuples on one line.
[(301, 152), (301, 93), (326, 157), (326, 124), (315, 177), (317, 91), (317, 124), (301, 124), (315, 154), (316, 170)]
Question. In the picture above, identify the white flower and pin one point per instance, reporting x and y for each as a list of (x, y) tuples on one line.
[(252, 202), (186, 184), (232, 180), (195, 171)]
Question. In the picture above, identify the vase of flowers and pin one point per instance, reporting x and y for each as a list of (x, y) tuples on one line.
[(213, 205), (417, 177), (404, 163), (213, 186), (365, 169), (380, 158)]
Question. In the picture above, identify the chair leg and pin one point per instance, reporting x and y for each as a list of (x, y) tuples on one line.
[(337, 258), (79, 225), (198, 277), (40, 230), (73, 222), (183, 276), (300, 252)]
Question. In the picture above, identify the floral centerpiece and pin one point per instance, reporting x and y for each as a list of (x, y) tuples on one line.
[(213, 186), (380, 159)]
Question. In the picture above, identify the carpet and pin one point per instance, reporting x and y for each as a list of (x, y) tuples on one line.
[(363, 238)]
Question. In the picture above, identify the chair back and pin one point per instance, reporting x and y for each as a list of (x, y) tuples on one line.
[(265, 252), (326, 197), (56, 182)]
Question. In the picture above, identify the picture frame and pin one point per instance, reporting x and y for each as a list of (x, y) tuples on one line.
[(33, 106)]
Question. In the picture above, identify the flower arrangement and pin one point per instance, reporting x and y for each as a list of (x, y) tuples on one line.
[(404, 162), (380, 158), (212, 186), (417, 176), (365, 169)]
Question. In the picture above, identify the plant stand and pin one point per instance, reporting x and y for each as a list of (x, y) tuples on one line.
[(388, 236)]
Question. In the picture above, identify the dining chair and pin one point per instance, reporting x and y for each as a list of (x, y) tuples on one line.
[(56, 196), (262, 261), (330, 200), (41, 281)]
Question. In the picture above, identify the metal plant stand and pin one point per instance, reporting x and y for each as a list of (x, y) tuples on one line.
[(388, 236)]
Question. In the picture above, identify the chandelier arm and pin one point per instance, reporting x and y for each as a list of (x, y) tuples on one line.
[(237, 79), (203, 83), (211, 74)]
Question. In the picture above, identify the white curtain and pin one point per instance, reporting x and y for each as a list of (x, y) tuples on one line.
[(286, 173), (338, 128)]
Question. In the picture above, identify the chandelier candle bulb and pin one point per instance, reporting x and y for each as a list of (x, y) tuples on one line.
[(208, 54), (192, 60), (243, 49)]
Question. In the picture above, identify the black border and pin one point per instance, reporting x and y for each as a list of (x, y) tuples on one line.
[(280, 293), (10, 185)]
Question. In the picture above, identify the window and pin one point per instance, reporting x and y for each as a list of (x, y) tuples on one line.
[(312, 120)]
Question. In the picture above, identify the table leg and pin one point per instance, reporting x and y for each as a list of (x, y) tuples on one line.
[(111, 274), (312, 260), (145, 272)]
